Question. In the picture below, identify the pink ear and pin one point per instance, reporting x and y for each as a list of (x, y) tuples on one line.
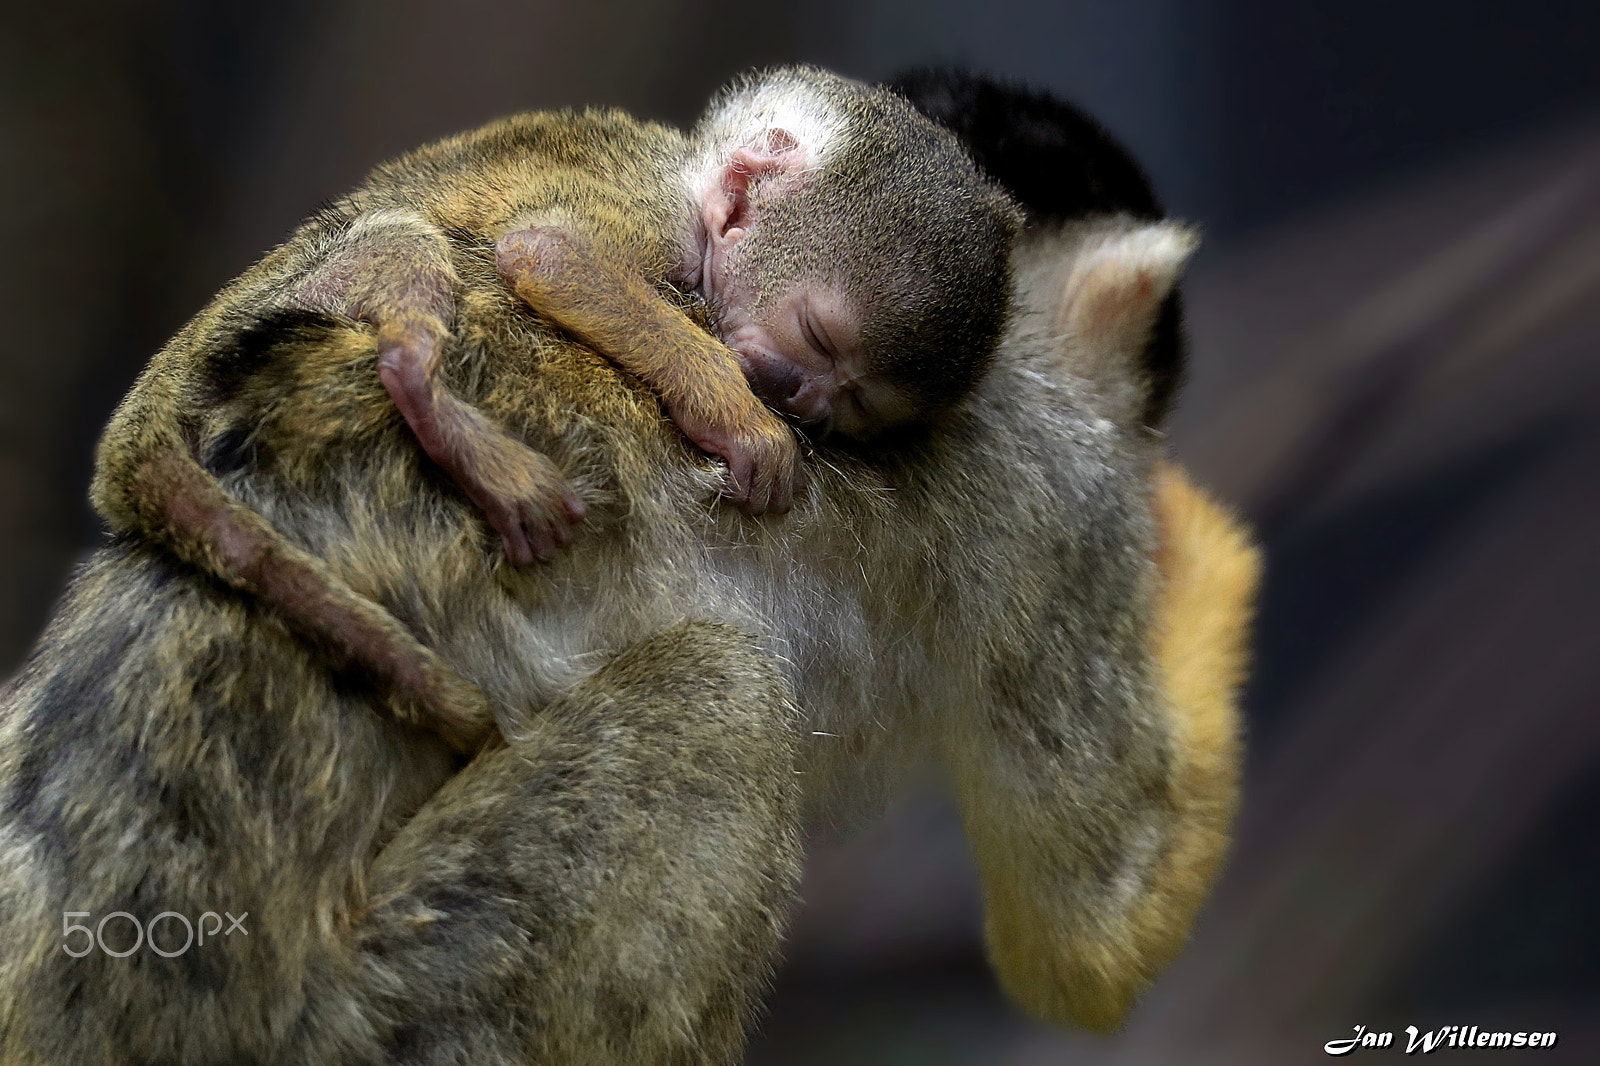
[(772, 155)]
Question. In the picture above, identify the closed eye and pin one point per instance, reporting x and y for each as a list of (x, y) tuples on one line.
[(860, 405), (814, 337)]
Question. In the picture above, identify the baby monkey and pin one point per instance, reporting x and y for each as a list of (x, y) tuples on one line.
[(850, 257)]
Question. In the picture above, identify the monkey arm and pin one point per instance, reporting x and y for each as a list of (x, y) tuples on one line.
[(392, 269), (1091, 886), (635, 857), (562, 276)]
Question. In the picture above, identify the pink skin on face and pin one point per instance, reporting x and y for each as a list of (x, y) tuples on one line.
[(801, 354)]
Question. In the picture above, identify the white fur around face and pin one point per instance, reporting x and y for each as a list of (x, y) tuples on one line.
[(807, 118), (743, 117)]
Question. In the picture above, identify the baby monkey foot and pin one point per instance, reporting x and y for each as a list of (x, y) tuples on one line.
[(521, 491), (523, 495)]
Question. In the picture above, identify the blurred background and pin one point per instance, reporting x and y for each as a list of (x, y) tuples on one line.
[(1395, 327)]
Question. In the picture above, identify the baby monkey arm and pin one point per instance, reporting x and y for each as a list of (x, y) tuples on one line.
[(561, 275), (391, 269)]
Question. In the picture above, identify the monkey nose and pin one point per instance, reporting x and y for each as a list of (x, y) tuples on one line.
[(774, 381)]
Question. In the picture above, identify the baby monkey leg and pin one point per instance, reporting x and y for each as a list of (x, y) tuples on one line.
[(209, 528), (561, 275), (392, 270), (149, 482)]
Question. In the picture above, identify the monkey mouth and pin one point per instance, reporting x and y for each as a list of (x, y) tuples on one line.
[(816, 430), (788, 390)]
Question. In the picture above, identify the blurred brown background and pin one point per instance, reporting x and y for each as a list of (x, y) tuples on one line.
[(1395, 326)]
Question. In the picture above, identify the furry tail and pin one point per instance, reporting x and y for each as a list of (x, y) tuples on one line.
[(1210, 570), (1082, 957)]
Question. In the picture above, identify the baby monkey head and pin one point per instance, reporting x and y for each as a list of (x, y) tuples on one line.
[(855, 258)]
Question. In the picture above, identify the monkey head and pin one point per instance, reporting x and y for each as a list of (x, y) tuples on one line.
[(852, 254)]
